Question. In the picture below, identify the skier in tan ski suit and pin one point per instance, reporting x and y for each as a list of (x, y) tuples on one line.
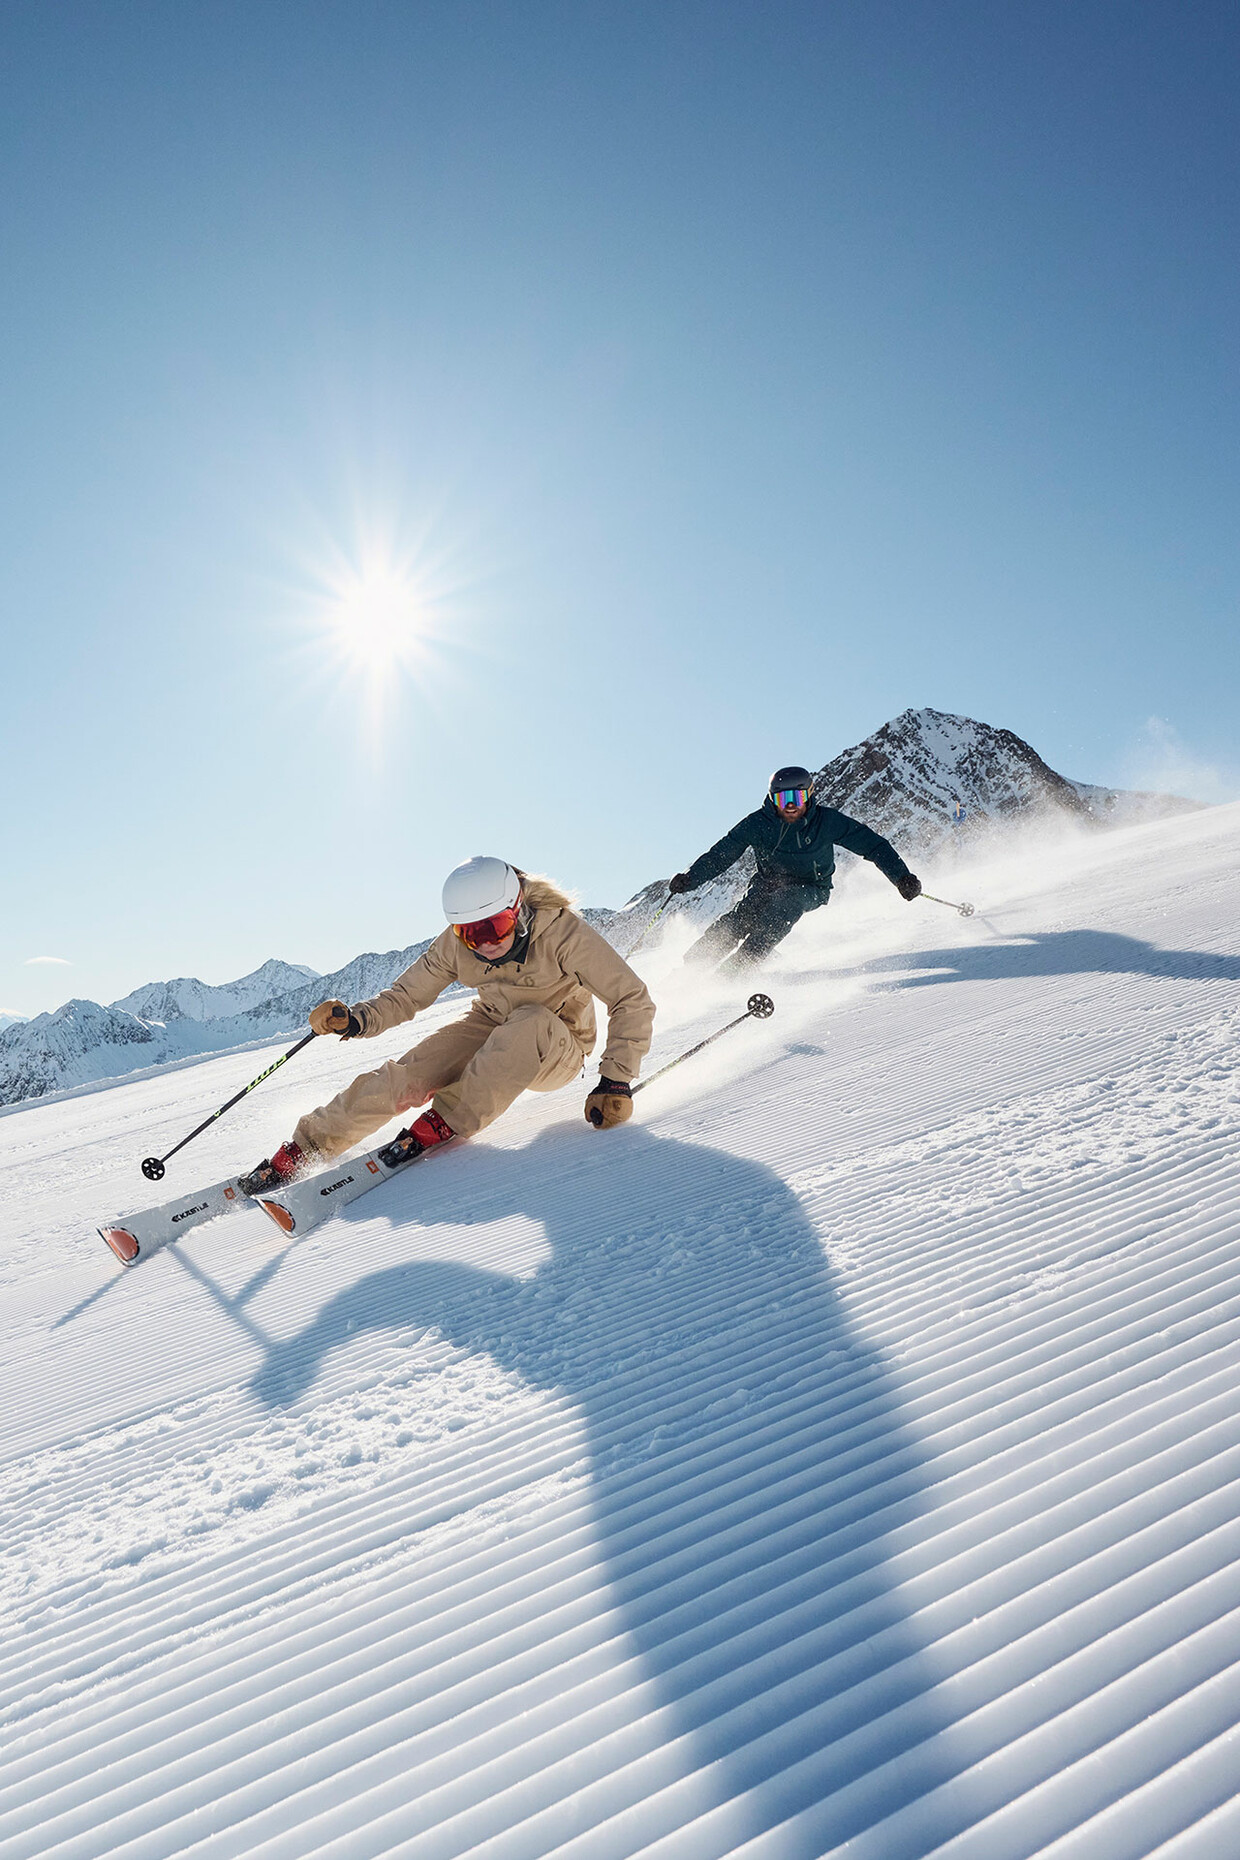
[(536, 966)]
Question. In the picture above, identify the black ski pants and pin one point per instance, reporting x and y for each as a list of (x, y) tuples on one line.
[(762, 919)]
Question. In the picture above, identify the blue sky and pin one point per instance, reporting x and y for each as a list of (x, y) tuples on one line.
[(700, 385)]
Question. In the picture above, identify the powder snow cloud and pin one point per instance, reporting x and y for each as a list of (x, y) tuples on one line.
[(1163, 763)]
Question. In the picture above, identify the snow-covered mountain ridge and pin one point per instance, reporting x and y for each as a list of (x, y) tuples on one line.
[(189, 999), (82, 1042), (909, 778), (907, 781)]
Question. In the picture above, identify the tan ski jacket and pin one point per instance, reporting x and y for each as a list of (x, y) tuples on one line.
[(565, 965)]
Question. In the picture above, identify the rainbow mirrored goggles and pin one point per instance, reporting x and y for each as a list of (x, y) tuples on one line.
[(489, 929), (790, 797)]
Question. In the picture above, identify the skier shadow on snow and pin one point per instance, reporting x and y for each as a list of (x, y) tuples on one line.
[(749, 1455), (1057, 952)]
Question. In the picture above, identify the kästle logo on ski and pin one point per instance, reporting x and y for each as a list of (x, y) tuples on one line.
[(186, 1212), (333, 1186)]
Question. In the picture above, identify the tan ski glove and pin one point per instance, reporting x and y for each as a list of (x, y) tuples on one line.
[(609, 1103), (329, 1017)]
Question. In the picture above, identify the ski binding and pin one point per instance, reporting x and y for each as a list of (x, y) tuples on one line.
[(307, 1203)]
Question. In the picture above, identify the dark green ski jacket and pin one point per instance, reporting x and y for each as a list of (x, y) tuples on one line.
[(798, 852)]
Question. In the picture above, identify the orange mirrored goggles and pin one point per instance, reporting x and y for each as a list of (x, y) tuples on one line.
[(489, 929)]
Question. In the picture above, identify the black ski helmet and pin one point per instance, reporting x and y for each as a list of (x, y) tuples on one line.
[(791, 777)]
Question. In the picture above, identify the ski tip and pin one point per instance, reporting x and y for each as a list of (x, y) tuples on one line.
[(281, 1216), (122, 1243)]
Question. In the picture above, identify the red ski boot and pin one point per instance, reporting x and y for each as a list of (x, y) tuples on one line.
[(289, 1161), (429, 1131)]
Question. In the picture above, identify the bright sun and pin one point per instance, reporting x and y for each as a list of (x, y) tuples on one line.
[(379, 621), (377, 618)]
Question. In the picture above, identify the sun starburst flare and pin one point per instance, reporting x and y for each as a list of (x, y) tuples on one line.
[(378, 618), (377, 627)]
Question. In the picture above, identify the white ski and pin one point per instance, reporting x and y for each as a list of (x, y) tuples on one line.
[(303, 1205), (133, 1237)]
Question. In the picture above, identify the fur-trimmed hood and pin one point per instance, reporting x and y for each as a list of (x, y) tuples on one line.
[(542, 894)]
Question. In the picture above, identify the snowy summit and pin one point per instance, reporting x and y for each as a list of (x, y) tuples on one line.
[(925, 773)]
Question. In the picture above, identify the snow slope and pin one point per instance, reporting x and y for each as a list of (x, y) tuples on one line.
[(841, 1458)]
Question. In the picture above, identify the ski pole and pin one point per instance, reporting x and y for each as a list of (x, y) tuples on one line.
[(650, 926), (966, 910), (153, 1166), (761, 1007)]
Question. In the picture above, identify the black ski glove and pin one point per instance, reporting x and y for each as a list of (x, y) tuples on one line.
[(610, 1103), (909, 887), (678, 884)]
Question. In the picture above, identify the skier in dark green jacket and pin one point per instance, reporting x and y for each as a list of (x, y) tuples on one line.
[(793, 840)]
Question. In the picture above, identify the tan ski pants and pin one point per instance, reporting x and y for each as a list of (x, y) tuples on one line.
[(474, 1068)]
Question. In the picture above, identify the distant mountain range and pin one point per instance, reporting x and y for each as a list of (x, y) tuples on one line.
[(186, 999), (82, 1042), (912, 780)]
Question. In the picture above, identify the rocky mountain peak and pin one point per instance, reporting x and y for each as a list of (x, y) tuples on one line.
[(927, 773), (912, 779)]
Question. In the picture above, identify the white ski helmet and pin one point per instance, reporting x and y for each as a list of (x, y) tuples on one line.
[(479, 889)]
